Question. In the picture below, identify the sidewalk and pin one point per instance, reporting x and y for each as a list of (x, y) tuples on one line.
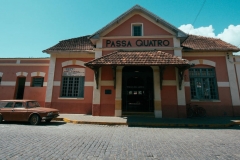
[(150, 121)]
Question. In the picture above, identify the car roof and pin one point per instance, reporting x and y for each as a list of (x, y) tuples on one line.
[(17, 100)]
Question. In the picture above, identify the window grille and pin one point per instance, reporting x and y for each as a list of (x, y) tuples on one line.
[(37, 81), (72, 86), (137, 30), (203, 83)]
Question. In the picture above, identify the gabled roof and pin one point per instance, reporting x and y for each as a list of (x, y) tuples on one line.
[(135, 58), (74, 44), (200, 43), (180, 34)]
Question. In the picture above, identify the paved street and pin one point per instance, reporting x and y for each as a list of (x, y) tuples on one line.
[(58, 140)]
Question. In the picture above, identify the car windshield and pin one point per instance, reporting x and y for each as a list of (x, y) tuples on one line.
[(33, 104)]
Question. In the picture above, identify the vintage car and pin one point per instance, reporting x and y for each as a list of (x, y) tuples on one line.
[(26, 110)]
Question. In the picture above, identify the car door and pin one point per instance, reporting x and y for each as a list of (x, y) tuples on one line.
[(19, 112), (6, 111)]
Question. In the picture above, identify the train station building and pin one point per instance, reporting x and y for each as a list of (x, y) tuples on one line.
[(136, 64)]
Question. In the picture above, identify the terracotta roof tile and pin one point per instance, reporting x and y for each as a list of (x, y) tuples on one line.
[(74, 44), (131, 58), (194, 43)]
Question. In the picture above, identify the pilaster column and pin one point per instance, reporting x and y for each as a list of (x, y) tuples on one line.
[(232, 80), (157, 92), (118, 90), (181, 99), (49, 90)]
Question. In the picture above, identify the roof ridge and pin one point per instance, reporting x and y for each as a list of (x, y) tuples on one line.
[(74, 38)]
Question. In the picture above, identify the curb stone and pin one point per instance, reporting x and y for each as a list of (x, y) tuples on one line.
[(151, 124)]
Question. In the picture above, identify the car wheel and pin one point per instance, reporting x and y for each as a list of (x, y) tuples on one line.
[(1, 118), (35, 119), (48, 120)]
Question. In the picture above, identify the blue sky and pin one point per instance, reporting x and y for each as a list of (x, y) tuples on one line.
[(27, 27)]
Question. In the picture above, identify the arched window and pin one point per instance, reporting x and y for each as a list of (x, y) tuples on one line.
[(37, 79), (73, 82), (203, 83)]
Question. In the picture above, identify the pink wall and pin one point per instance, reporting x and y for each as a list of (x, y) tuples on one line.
[(9, 75), (149, 28), (80, 105)]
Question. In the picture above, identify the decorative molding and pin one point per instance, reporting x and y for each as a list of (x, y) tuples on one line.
[(24, 74), (204, 62), (73, 62), (39, 74)]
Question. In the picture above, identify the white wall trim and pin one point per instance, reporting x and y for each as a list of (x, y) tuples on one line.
[(158, 113), (169, 83), (89, 84), (56, 83), (223, 84), (107, 83), (22, 74), (73, 62), (27, 84), (8, 83), (118, 113), (136, 24)]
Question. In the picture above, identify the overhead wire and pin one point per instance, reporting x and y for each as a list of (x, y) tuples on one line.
[(197, 15)]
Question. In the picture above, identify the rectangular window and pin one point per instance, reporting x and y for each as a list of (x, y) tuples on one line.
[(203, 84), (72, 86), (37, 81), (136, 29)]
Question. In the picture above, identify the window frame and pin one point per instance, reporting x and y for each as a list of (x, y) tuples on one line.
[(132, 29), (34, 84), (0, 80), (81, 86), (204, 86)]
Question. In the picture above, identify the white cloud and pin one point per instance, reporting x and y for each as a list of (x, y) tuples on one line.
[(202, 31), (230, 34)]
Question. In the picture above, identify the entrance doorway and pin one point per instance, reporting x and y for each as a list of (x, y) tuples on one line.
[(137, 89), (20, 86)]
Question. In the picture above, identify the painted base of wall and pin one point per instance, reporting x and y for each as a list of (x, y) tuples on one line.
[(236, 110), (118, 113), (182, 112), (96, 109), (158, 113)]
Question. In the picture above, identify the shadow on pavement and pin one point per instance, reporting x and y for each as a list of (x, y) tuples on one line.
[(191, 123), (53, 123)]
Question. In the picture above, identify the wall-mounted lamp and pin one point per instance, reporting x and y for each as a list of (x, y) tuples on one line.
[(227, 56)]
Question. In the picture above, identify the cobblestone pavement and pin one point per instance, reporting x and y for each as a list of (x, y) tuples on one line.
[(57, 140)]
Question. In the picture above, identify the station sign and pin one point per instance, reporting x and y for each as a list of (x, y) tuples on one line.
[(138, 43), (73, 72)]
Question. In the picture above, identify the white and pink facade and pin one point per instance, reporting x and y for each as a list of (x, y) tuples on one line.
[(138, 63)]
